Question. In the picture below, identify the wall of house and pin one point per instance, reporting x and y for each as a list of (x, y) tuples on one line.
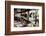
[(2, 18)]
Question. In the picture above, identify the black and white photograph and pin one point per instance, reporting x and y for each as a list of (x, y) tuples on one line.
[(26, 17)]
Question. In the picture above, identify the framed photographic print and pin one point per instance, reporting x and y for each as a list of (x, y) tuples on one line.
[(24, 17)]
